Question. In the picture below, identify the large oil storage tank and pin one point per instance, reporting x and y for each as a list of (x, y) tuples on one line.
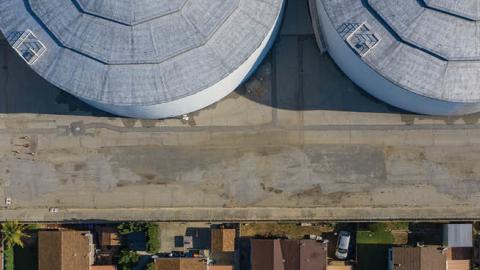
[(419, 55), (143, 58)]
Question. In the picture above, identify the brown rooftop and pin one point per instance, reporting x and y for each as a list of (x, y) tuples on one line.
[(108, 236), (458, 264), (288, 255), (419, 258), (180, 264), (103, 267), (339, 267), (64, 250), (223, 240), (220, 267)]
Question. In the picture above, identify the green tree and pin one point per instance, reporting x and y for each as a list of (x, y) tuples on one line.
[(13, 232), (150, 266), (128, 259)]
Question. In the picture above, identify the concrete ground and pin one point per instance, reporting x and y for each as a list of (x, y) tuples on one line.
[(172, 232), (299, 141)]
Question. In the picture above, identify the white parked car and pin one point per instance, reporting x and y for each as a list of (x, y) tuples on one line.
[(342, 245)]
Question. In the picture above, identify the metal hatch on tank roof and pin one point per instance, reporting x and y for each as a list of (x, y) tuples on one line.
[(29, 47), (359, 37)]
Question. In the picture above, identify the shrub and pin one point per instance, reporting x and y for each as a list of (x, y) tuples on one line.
[(130, 227), (153, 244)]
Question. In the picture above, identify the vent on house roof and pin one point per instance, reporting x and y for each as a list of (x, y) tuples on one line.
[(29, 47), (360, 37)]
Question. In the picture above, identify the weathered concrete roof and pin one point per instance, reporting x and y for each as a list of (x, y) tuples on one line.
[(428, 47), (145, 52)]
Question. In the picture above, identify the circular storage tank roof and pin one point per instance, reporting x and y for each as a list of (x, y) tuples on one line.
[(140, 54), (428, 47)]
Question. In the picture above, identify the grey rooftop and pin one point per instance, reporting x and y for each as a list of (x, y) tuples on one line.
[(429, 47), (140, 52)]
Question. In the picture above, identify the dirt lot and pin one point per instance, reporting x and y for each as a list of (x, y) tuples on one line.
[(289, 230)]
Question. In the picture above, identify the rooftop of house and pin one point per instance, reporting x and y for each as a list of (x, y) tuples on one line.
[(269, 254), (220, 267), (64, 250), (103, 267), (339, 267), (223, 240), (419, 258), (108, 236), (180, 264), (458, 235), (458, 265)]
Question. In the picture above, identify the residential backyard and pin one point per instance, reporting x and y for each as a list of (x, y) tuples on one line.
[(375, 239), (383, 233)]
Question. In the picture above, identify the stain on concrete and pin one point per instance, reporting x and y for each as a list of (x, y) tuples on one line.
[(148, 123), (408, 119), (354, 168), (79, 167), (128, 122), (471, 119)]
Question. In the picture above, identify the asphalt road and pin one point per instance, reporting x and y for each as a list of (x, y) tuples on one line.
[(299, 141)]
